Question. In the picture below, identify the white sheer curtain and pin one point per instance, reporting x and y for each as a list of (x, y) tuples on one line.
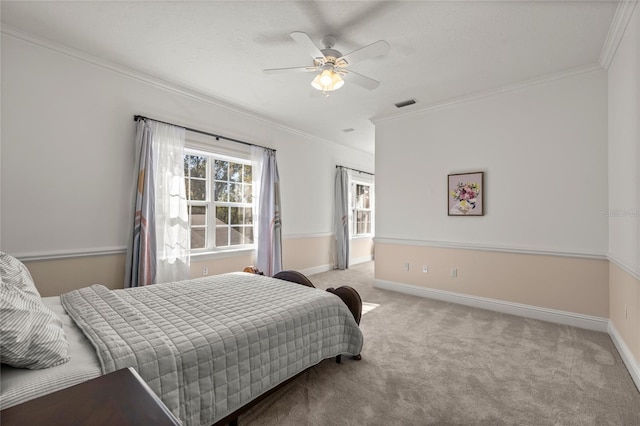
[(172, 220), (266, 219), (158, 250), (341, 218)]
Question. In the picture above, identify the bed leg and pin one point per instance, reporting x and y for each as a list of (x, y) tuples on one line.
[(233, 422), (357, 357), (339, 359)]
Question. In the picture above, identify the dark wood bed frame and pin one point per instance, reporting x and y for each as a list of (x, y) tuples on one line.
[(347, 294)]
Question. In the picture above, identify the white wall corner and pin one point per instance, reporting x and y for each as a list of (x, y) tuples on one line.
[(627, 266), (627, 357), (616, 31), (527, 311)]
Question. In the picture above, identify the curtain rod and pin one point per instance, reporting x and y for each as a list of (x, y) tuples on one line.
[(218, 137), (355, 170)]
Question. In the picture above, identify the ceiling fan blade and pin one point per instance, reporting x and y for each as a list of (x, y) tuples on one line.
[(361, 80), (289, 70), (378, 48), (305, 42)]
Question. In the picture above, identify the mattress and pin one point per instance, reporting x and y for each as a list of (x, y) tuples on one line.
[(18, 385)]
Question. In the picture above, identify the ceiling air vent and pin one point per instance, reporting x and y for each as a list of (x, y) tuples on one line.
[(405, 103)]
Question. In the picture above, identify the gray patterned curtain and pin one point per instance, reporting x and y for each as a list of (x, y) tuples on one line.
[(342, 218), (269, 244), (158, 248)]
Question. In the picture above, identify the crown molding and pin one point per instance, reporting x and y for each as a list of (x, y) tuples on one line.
[(619, 24), (489, 93), (168, 86)]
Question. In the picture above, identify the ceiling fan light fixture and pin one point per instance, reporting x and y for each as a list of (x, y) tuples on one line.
[(327, 81)]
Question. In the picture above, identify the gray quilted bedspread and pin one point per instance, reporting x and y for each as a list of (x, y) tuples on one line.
[(208, 346)]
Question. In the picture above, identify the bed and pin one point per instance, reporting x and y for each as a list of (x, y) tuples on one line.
[(207, 347)]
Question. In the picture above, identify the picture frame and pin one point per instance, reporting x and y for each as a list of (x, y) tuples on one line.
[(465, 194)]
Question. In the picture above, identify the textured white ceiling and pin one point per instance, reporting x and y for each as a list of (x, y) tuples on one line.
[(440, 50)]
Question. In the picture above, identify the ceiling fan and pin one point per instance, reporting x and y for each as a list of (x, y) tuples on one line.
[(331, 65)]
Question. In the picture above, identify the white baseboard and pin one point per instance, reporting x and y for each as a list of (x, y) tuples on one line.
[(528, 311), (328, 267), (625, 353), (544, 314), (362, 259), (316, 269)]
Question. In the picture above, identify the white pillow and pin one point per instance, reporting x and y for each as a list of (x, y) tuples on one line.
[(31, 335)]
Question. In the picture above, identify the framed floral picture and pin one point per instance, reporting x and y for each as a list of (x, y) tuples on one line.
[(465, 193)]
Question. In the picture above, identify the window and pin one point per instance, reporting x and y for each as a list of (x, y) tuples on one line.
[(362, 209), (220, 201)]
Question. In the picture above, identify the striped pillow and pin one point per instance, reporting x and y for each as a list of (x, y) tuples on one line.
[(31, 335)]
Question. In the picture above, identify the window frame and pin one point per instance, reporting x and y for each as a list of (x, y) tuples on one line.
[(213, 153), (353, 208)]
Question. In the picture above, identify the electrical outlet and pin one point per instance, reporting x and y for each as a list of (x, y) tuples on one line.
[(205, 270), (454, 272), (425, 269), (406, 266)]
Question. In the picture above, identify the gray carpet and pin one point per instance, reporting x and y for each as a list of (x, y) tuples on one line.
[(431, 362)]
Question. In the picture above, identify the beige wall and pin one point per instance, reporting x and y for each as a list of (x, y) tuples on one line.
[(56, 276), (220, 265), (361, 250), (317, 253), (569, 284), (308, 255), (624, 307)]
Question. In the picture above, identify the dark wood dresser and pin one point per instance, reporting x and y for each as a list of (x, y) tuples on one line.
[(119, 398)]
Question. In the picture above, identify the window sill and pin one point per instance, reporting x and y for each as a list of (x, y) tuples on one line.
[(222, 254)]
